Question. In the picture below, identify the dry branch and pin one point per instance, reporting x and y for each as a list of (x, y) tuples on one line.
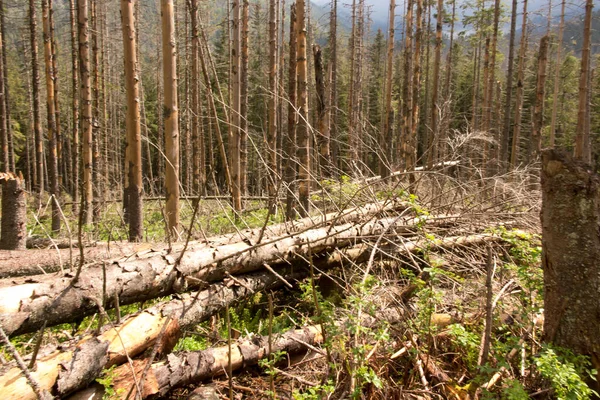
[(139, 332)]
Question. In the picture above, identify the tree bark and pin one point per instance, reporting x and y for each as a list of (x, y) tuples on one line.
[(14, 213), (538, 109), (436, 108), (570, 253), (302, 134), (321, 109), (505, 145), (291, 165), (234, 127), (133, 152), (35, 87), (386, 138), (171, 115), (50, 107), (75, 105), (514, 155), (582, 138), (55, 300), (561, 31), (85, 112)]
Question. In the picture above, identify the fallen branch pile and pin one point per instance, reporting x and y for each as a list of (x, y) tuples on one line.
[(139, 332)]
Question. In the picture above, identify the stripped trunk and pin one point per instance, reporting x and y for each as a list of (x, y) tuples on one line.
[(561, 31), (291, 161), (50, 103), (271, 138), (538, 109), (234, 127), (435, 106), (171, 114), (386, 139), (85, 112), (582, 139), (133, 152), (303, 138), (35, 87), (509, 85), (519, 96)]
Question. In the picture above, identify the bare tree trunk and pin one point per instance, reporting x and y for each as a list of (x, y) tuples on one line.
[(303, 137), (199, 163), (385, 138), (290, 139), (538, 109), (14, 213), (411, 159), (582, 138), (134, 186), (5, 164), (75, 105), (509, 86), (333, 100), (435, 106), (96, 109), (171, 114), (561, 31), (86, 110), (519, 96), (35, 87), (570, 243), (407, 90), (321, 109), (352, 155), (234, 127), (58, 131), (271, 137), (244, 99), (50, 103)]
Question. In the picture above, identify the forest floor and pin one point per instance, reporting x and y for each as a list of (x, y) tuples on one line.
[(460, 320)]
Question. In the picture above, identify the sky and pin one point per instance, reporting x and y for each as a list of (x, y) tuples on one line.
[(540, 7)]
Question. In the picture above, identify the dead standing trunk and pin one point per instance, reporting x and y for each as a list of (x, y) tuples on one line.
[(538, 109), (582, 140), (133, 190), (171, 114), (35, 87), (570, 253), (14, 213), (303, 138)]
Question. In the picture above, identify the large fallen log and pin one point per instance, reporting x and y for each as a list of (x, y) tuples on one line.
[(194, 366), (57, 299), (35, 262), (140, 331)]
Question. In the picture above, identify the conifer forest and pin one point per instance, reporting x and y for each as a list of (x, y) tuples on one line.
[(296, 199)]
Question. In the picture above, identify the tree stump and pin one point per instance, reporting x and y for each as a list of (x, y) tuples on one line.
[(571, 253), (14, 213)]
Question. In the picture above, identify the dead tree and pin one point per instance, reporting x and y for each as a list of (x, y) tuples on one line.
[(14, 213), (570, 253)]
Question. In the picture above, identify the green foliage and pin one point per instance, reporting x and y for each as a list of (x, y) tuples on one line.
[(468, 342), (514, 390), (192, 343), (106, 380), (339, 192), (316, 392), (565, 373)]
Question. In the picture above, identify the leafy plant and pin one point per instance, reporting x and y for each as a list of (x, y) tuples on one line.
[(565, 373)]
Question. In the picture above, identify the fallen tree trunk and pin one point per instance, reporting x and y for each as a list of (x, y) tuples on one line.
[(190, 367), (35, 262), (140, 331), (24, 308)]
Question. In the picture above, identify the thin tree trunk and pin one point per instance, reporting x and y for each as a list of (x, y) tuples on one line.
[(435, 106), (171, 114), (333, 100), (244, 99), (50, 103), (133, 152), (58, 131), (35, 87), (582, 138), (386, 132), (290, 139), (538, 109), (234, 130), (271, 137), (520, 89), (561, 31), (321, 109), (411, 160), (509, 85), (75, 105), (199, 164), (86, 110), (302, 134), (407, 97), (96, 109), (5, 164)]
